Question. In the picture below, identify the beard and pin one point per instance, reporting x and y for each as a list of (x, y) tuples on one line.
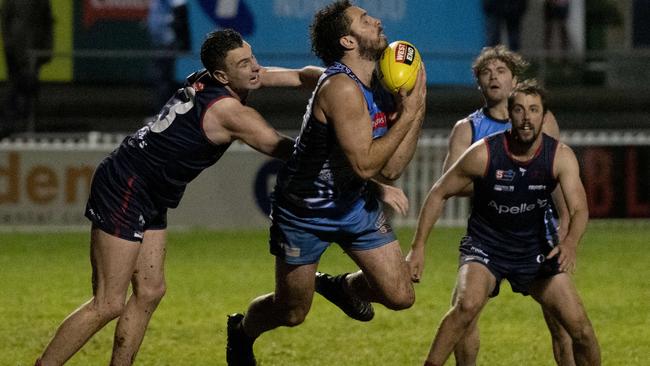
[(527, 139), (371, 50)]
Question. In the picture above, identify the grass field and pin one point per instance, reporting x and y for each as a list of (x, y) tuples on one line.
[(44, 276)]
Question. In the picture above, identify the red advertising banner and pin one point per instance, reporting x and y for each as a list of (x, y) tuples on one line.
[(113, 10), (617, 180)]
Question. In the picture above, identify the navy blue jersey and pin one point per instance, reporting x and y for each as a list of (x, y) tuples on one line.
[(172, 150), (484, 125), (318, 176), (511, 199)]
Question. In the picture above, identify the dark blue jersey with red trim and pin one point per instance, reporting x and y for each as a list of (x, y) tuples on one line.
[(172, 150), (510, 200)]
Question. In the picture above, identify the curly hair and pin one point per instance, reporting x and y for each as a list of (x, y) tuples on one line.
[(528, 87), (329, 25), (216, 46), (513, 60)]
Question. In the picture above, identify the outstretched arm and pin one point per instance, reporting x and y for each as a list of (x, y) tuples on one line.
[(471, 165), (228, 120), (306, 77), (567, 171)]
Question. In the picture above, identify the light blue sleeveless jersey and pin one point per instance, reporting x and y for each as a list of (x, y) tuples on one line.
[(318, 177), (483, 125)]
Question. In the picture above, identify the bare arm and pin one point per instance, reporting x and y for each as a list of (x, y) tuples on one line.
[(306, 77), (471, 165), (552, 129), (459, 141), (341, 103), (404, 153), (228, 120), (567, 170)]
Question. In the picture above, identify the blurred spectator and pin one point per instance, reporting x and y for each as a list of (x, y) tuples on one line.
[(26, 26), (555, 16), (168, 27), (508, 12)]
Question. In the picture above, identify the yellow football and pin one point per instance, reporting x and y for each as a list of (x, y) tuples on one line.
[(398, 66)]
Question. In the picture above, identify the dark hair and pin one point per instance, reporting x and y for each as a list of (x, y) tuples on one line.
[(327, 28), (528, 87), (513, 60), (216, 46)]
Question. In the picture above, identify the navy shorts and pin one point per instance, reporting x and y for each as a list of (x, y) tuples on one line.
[(521, 273), (120, 205), (302, 240)]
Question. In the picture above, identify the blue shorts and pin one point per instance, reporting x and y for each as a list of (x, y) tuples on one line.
[(120, 206), (302, 240), (521, 273)]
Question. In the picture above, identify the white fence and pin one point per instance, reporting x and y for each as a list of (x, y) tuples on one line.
[(44, 181)]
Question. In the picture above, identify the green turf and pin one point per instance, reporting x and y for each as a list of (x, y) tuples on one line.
[(44, 276)]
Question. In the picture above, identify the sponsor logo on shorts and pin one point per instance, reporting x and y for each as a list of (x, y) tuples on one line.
[(541, 258), (381, 225), (479, 251), (137, 234), (291, 251), (536, 187), (476, 258)]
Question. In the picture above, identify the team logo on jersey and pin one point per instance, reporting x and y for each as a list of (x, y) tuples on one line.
[(522, 171), (505, 175)]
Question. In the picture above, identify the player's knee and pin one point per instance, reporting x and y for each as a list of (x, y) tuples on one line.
[(582, 333), (109, 309), (402, 300), (294, 317), (151, 294), (468, 308)]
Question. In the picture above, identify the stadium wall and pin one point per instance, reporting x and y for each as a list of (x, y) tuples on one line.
[(44, 182)]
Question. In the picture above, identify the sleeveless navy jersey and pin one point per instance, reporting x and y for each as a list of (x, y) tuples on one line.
[(172, 150), (318, 176), (484, 125), (510, 201)]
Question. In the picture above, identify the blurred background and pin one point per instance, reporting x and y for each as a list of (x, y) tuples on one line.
[(97, 78)]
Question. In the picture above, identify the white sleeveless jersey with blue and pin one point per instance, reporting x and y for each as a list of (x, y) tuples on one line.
[(484, 125), (318, 177), (511, 200)]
